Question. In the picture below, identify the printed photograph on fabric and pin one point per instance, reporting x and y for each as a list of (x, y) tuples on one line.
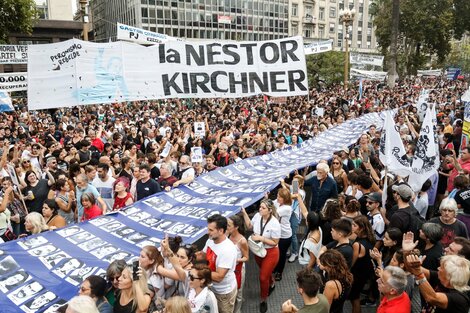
[(139, 216), (25, 292), (32, 242), (199, 213), (150, 221), (92, 244), (100, 221), (53, 308), (113, 226), (154, 201), (38, 302), (80, 237), (103, 251), (135, 237), (7, 265), (69, 231), (14, 280), (43, 250), (67, 267), (77, 276), (185, 210), (53, 259), (125, 231), (243, 201), (121, 255), (174, 210), (164, 225), (151, 241), (130, 210)]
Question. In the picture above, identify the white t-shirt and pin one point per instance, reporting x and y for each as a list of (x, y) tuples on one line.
[(272, 230), (378, 225), (188, 173), (349, 192), (284, 211), (105, 189), (222, 255)]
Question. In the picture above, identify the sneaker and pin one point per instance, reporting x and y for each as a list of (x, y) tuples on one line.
[(368, 303), (277, 276), (292, 258), (263, 307)]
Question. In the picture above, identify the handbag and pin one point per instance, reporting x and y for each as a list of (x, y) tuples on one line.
[(257, 248), (8, 235)]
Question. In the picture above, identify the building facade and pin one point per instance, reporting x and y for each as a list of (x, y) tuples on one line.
[(319, 20), (60, 10), (194, 19)]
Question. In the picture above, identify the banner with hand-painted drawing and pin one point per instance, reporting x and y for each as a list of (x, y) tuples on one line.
[(13, 81), (76, 72)]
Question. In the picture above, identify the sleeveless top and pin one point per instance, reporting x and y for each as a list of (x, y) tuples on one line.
[(127, 308), (337, 304), (363, 266), (119, 203), (339, 181), (69, 218)]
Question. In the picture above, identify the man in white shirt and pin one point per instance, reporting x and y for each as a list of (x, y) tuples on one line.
[(221, 254), (373, 204), (104, 184)]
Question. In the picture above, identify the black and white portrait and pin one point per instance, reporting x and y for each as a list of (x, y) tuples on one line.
[(78, 275), (32, 242), (110, 227), (150, 241), (199, 213), (163, 226), (101, 220), (80, 237), (139, 216), (92, 244), (121, 255), (67, 267), (125, 231), (135, 237), (130, 210), (38, 302), (186, 210), (150, 221), (14, 280), (25, 292), (69, 231), (53, 308), (53, 259), (104, 250), (43, 250), (7, 265)]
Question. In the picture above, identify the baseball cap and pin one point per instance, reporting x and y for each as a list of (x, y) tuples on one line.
[(404, 191), (375, 196)]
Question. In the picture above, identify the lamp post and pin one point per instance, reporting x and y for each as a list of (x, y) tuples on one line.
[(83, 4), (347, 18)]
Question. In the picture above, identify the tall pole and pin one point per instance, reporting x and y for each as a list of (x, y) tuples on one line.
[(83, 4), (346, 57)]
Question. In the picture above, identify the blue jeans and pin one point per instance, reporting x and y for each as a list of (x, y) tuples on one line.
[(294, 225)]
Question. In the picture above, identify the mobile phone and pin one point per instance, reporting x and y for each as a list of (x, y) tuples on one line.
[(135, 269), (295, 186)]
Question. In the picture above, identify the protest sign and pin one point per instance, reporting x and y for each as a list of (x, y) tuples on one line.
[(5, 102), (196, 154), (13, 81), (13, 54), (366, 59), (199, 129), (76, 72), (166, 149), (368, 75), (319, 47), (141, 36)]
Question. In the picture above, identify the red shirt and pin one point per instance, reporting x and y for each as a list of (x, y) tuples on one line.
[(92, 212), (400, 304), (98, 144)]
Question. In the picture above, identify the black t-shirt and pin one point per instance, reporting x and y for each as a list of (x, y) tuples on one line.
[(363, 202), (457, 302), (463, 198), (155, 173), (147, 189), (401, 220), (432, 257), (40, 192), (345, 249)]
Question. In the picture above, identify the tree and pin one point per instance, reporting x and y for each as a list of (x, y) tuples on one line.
[(325, 67), (392, 62), (16, 16)]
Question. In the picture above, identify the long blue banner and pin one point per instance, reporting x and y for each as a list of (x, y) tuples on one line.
[(42, 272)]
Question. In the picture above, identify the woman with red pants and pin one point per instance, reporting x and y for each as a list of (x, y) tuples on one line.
[(266, 228)]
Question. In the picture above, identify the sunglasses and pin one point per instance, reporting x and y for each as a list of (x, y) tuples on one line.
[(26, 162), (336, 163), (193, 277)]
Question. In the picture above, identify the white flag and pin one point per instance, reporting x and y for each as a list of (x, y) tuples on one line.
[(426, 159), (392, 153)]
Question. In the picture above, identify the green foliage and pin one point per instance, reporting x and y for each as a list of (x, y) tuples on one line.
[(459, 57), (327, 67), (426, 27), (16, 16)]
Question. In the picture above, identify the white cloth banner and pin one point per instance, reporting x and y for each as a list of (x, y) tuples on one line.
[(466, 96), (392, 152), (318, 47), (426, 159), (422, 104), (13, 81), (76, 72), (369, 59), (141, 36), (368, 75), (13, 54), (429, 72)]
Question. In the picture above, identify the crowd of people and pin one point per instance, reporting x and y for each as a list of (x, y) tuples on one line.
[(66, 166)]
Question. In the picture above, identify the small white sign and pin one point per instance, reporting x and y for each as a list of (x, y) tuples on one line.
[(199, 129), (166, 150), (196, 154)]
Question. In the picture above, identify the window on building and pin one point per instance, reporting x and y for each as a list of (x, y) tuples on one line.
[(321, 14), (308, 32), (295, 8), (308, 11), (145, 12), (332, 12), (295, 30), (332, 27), (321, 31)]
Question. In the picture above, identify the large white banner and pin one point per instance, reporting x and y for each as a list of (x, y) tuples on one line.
[(76, 72), (13, 81), (141, 36), (366, 59), (430, 72), (319, 47), (13, 54), (368, 75)]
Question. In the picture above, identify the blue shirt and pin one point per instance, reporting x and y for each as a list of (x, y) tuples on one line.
[(321, 193)]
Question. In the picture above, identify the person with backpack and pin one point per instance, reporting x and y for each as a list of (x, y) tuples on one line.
[(406, 218)]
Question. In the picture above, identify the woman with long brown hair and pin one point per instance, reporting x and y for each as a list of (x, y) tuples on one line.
[(339, 175), (338, 279)]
